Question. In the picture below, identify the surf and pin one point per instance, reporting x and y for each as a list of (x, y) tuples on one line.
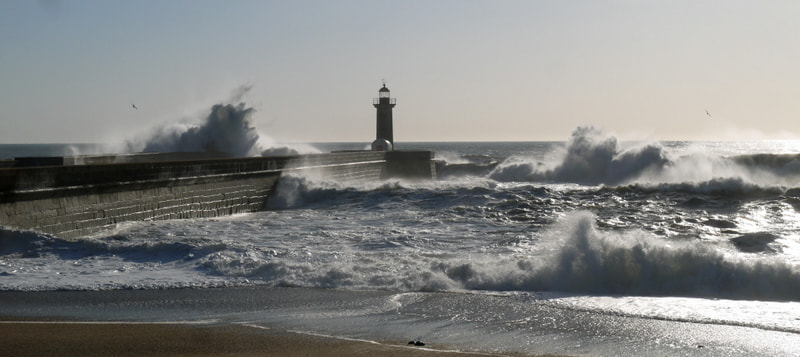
[(593, 157)]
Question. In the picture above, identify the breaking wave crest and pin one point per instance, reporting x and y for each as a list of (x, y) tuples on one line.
[(585, 260), (592, 157)]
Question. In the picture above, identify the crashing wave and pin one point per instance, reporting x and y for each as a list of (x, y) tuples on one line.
[(226, 129), (592, 157), (585, 260)]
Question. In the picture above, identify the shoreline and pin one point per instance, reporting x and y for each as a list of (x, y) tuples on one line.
[(24, 337)]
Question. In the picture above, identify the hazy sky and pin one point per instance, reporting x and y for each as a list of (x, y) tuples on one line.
[(460, 70)]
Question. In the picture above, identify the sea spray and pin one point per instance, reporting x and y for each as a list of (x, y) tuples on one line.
[(227, 128), (592, 157)]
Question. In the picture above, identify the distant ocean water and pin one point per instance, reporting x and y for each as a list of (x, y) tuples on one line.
[(10, 151), (545, 235)]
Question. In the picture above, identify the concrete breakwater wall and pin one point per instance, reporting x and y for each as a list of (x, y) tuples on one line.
[(73, 200)]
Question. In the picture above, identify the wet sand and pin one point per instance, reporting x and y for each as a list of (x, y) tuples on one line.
[(28, 338)]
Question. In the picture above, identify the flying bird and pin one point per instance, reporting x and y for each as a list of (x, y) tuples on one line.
[(707, 113), (134, 106)]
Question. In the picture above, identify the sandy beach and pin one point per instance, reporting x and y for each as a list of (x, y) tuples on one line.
[(56, 338)]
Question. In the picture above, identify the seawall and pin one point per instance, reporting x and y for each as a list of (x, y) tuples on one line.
[(70, 198)]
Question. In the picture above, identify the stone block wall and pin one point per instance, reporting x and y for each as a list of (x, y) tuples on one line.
[(413, 165), (71, 201)]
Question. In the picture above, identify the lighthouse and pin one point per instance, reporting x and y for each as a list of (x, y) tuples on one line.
[(384, 139)]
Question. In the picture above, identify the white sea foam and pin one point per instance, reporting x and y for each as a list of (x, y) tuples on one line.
[(761, 314), (573, 256), (593, 157)]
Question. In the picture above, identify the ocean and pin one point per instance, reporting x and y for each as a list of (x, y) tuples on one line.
[(591, 246)]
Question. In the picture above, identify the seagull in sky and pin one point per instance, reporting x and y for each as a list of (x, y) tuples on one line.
[(707, 113), (134, 107)]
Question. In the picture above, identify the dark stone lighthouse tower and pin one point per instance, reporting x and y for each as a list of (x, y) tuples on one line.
[(384, 138)]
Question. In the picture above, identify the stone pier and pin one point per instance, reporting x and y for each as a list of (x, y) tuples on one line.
[(70, 198)]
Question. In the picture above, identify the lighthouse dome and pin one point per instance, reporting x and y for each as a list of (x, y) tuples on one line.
[(384, 89), (381, 145)]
